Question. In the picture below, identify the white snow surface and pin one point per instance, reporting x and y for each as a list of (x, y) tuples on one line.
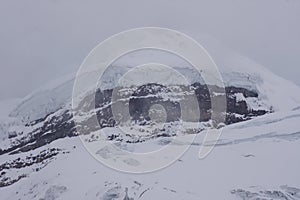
[(259, 156)]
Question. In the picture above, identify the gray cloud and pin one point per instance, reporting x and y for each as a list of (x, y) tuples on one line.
[(41, 40)]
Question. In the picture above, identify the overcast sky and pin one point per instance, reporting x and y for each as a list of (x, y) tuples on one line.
[(42, 40)]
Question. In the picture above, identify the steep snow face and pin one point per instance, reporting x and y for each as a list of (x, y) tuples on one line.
[(280, 93), (45, 100), (6, 106), (8, 124), (236, 70)]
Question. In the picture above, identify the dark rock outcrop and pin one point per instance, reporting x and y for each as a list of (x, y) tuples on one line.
[(61, 123)]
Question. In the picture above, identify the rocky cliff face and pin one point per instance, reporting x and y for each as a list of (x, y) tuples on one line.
[(139, 104), (60, 124)]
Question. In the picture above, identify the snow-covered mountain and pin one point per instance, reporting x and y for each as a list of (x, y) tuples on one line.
[(236, 70), (42, 157)]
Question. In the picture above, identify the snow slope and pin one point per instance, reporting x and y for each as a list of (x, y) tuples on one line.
[(256, 159)]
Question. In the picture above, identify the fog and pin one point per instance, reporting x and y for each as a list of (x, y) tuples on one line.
[(42, 40)]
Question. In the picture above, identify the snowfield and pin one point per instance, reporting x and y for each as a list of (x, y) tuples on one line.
[(256, 159)]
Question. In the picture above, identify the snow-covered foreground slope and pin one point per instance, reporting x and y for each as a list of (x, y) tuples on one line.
[(256, 159)]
